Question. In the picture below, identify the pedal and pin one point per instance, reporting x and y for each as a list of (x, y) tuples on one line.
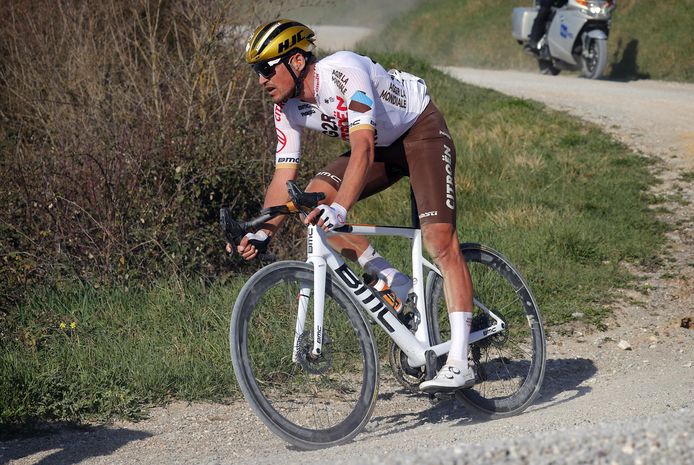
[(442, 396), (409, 315), (409, 319)]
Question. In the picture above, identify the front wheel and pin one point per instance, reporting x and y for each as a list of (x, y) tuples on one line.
[(509, 365), (313, 401), (594, 58)]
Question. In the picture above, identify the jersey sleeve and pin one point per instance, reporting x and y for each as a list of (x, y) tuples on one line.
[(287, 153), (359, 95)]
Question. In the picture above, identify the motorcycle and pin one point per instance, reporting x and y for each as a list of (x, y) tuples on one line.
[(575, 38)]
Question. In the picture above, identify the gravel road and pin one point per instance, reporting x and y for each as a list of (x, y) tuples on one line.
[(599, 403)]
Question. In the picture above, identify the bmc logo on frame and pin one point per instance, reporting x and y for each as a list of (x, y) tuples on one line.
[(373, 305)]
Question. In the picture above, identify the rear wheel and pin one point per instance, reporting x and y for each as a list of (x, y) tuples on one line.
[(509, 365)]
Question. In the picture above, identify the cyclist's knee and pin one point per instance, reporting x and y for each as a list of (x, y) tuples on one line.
[(319, 185), (441, 241)]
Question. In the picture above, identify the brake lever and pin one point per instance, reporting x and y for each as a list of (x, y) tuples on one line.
[(233, 230), (303, 200)]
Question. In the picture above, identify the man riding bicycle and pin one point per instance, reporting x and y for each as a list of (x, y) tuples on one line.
[(394, 130)]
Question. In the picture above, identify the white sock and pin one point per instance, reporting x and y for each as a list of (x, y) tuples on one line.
[(375, 264), (460, 338), (368, 255)]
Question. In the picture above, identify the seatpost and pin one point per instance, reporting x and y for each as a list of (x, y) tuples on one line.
[(413, 209)]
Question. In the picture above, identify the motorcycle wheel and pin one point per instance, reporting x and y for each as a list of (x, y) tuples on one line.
[(547, 67), (594, 59)]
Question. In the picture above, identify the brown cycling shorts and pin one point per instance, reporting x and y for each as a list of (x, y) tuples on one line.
[(426, 154)]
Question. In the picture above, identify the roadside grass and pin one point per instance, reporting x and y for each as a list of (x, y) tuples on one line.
[(373, 14), (452, 32), (647, 39), (99, 353), (563, 201), (653, 40)]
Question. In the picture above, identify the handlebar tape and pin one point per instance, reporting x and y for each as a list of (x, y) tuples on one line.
[(233, 230)]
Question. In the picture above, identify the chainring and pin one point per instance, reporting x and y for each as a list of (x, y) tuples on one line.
[(408, 377)]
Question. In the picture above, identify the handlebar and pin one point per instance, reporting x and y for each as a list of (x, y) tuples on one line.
[(300, 202)]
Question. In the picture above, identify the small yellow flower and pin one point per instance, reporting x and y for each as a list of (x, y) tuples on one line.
[(73, 325), (62, 325)]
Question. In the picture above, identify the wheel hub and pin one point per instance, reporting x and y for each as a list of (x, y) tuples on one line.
[(312, 363)]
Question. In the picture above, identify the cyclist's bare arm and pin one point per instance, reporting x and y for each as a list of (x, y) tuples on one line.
[(362, 144), (276, 194), (363, 149)]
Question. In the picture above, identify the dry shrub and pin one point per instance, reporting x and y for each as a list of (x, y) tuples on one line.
[(125, 125)]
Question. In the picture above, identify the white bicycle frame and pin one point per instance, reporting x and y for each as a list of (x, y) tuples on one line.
[(414, 346)]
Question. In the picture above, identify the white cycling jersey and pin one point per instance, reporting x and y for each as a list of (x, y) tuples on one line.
[(352, 93)]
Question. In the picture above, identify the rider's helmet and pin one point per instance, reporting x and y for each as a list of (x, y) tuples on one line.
[(277, 39), (274, 42)]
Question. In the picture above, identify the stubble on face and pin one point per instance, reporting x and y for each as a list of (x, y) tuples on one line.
[(279, 86)]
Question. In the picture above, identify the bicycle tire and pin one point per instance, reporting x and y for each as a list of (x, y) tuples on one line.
[(510, 365), (317, 402)]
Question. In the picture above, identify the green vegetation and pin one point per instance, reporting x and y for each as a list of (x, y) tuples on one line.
[(83, 352), (653, 39), (648, 39), (373, 14), (687, 176), (562, 200), (465, 33)]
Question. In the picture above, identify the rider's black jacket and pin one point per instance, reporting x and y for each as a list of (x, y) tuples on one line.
[(543, 15)]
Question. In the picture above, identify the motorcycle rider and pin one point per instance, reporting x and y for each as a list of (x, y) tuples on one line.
[(349, 96), (540, 23)]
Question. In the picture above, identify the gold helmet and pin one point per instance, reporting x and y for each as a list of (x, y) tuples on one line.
[(277, 39)]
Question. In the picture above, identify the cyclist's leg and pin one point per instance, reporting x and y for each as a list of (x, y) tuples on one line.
[(431, 154), (442, 243), (328, 181), (349, 246)]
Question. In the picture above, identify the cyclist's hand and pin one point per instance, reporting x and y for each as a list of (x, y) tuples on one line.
[(328, 217), (251, 245)]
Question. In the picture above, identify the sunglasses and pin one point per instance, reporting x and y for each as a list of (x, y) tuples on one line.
[(266, 69)]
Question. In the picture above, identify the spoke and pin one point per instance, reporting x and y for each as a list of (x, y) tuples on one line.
[(311, 401)]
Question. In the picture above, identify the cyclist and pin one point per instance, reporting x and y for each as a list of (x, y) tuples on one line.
[(394, 130)]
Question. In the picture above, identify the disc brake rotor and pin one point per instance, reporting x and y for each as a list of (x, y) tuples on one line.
[(315, 364)]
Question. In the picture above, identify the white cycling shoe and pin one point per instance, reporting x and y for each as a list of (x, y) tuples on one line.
[(449, 379)]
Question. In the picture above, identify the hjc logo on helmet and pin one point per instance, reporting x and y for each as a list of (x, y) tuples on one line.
[(286, 45)]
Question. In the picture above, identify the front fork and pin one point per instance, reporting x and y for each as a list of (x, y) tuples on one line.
[(319, 270), (317, 253), (304, 296)]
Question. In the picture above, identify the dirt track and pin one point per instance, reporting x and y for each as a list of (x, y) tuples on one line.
[(590, 383)]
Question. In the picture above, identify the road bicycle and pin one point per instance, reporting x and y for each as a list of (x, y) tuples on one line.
[(305, 356)]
